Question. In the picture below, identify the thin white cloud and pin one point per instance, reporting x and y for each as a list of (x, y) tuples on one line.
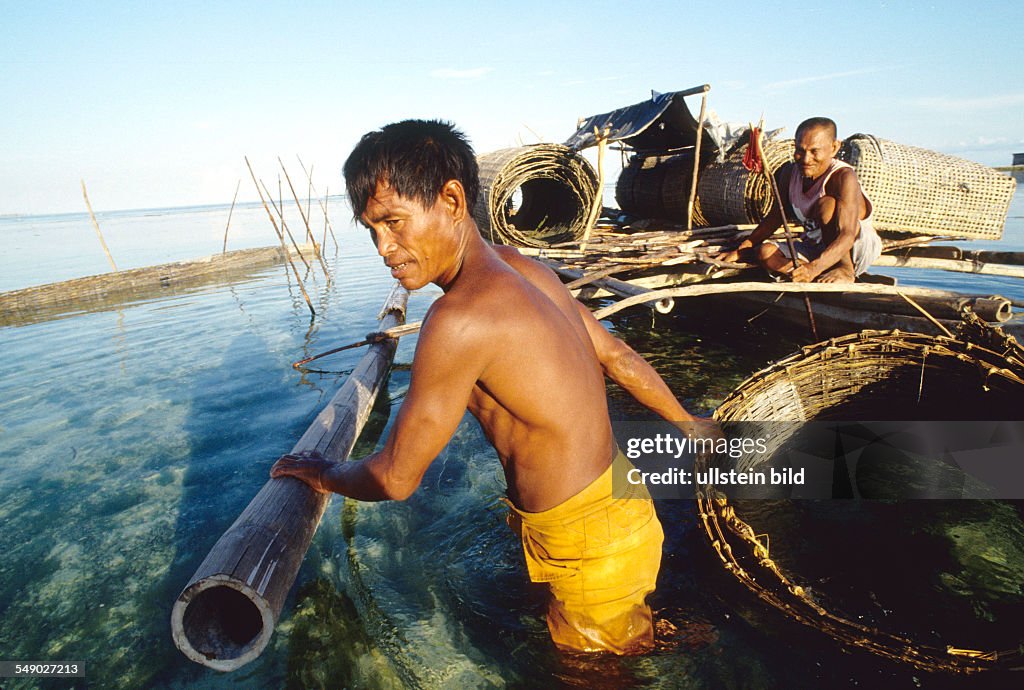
[(595, 80), (449, 73), (949, 103), (778, 85)]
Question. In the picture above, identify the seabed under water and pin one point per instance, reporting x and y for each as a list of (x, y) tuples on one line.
[(132, 439)]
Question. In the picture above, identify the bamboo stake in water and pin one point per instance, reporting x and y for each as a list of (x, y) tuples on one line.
[(233, 199), (280, 200), (323, 207), (325, 221), (305, 220), (309, 191), (285, 227), (280, 236), (97, 226)]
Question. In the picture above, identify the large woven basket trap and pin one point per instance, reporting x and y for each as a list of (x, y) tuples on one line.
[(729, 193), (873, 375), (914, 190), (656, 186), (534, 196)]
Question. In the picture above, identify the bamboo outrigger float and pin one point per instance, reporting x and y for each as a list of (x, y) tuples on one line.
[(225, 615)]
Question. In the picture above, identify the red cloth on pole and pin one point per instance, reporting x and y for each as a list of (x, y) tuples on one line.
[(752, 158)]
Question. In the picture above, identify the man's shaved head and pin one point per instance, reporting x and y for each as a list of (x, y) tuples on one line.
[(817, 123)]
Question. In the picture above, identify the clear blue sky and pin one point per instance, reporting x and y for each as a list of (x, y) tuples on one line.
[(155, 104)]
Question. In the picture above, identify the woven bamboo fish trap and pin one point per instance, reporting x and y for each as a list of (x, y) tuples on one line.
[(728, 193), (656, 186), (534, 196), (918, 191), (865, 376)]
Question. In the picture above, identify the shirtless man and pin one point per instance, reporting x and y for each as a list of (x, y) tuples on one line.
[(509, 343), (838, 242)]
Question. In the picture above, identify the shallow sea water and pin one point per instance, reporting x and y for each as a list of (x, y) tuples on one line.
[(132, 438)]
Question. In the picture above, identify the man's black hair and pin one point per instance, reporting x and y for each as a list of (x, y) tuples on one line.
[(814, 123), (416, 158)]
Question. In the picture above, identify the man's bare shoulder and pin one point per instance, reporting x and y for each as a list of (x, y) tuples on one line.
[(537, 274), (525, 265), (842, 179), (479, 305), (449, 314)]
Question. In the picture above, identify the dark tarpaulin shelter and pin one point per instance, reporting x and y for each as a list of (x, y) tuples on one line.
[(662, 123)]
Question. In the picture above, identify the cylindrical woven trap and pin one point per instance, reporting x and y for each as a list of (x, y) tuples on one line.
[(923, 192), (729, 193), (933, 583), (656, 186), (534, 196)]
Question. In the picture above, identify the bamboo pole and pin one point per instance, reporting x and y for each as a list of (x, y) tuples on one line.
[(370, 339), (785, 224), (835, 317), (96, 225), (324, 244), (721, 288), (225, 615), (233, 200), (280, 236), (305, 220), (323, 207), (620, 288), (696, 157), (595, 210), (309, 191), (940, 304), (285, 227)]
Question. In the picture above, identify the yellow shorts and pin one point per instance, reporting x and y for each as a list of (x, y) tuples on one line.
[(600, 556)]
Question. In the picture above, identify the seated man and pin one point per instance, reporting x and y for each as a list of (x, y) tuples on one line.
[(509, 343), (838, 242)]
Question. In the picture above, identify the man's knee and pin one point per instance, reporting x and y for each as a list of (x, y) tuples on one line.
[(772, 258), (765, 251)]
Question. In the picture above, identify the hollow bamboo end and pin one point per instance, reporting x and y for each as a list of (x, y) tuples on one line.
[(664, 305), (221, 623)]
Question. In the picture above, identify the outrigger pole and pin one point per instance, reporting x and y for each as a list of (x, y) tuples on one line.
[(226, 614)]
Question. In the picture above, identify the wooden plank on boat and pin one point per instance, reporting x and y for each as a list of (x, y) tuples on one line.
[(226, 614), (958, 265)]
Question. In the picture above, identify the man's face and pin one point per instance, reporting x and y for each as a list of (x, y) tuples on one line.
[(417, 244), (815, 149)]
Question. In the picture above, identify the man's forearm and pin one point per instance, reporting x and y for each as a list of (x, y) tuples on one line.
[(356, 479), (633, 373), (763, 230)]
